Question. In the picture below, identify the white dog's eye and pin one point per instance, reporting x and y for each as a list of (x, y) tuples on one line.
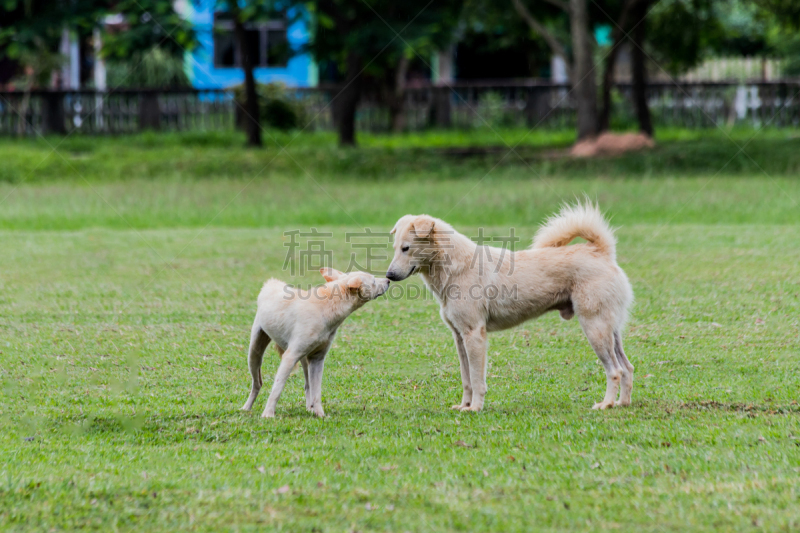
[(404, 249)]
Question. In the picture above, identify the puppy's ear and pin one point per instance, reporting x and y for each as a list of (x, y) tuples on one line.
[(354, 283), (423, 226), (330, 274)]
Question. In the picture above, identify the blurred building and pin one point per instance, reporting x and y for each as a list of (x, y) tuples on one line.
[(215, 61)]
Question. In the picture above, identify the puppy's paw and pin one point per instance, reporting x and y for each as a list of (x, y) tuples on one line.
[(266, 414), (622, 403), (603, 405), (460, 406), (473, 409), (245, 408), (319, 413)]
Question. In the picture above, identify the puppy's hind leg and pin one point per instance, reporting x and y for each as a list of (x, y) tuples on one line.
[(601, 337), (626, 387), (258, 343)]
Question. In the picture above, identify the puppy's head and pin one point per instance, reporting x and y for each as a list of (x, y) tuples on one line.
[(363, 285), (414, 246)]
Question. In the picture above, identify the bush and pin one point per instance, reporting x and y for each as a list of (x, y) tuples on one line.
[(152, 69), (493, 112), (277, 108)]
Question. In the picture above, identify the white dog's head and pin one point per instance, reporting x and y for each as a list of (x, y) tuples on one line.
[(414, 248), (362, 284)]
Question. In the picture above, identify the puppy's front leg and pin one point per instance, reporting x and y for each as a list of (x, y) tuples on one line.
[(288, 361), (476, 345), (315, 369), (307, 386)]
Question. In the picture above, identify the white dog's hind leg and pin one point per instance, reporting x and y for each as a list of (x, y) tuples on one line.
[(626, 387), (463, 362), (476, 345), (601, 337), (258, 343), (288, 360)]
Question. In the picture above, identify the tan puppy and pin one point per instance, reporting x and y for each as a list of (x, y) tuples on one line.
[(483, 289), (303, 325)]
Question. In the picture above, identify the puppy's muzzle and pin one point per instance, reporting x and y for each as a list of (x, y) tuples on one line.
[(383, 286)]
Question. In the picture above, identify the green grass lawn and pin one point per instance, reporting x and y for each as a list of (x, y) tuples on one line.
[(128, 275)]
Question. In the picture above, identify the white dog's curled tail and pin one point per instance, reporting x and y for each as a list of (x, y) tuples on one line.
[(580, 220)]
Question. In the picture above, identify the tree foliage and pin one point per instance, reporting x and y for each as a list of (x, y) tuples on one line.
[(150, 24)]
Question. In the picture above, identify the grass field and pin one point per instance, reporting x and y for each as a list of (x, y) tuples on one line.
[(128, 275)]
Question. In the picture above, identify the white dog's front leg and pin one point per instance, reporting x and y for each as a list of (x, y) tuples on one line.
[(466, 382), (476, 345)]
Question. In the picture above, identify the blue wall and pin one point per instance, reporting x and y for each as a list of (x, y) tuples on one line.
[(301, 71)]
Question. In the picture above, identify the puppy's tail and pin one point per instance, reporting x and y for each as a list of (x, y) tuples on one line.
[(580, 220)]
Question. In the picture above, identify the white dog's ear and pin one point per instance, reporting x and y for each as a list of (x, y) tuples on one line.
[(354, 283), (423, 226), (394, 230), (330, 274)]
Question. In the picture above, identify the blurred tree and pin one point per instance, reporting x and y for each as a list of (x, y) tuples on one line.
[(375, 39), (491, 37), (580, 62), (242, 13), (148, 25), (624, 20), (146, 48), (786, 12), (782, 18), (681, 33), (36, 26), (672, 35)]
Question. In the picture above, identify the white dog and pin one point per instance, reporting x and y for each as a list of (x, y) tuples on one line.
[(303, 325), (484, 289)]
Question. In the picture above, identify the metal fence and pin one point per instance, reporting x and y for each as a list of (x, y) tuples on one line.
[(122, 111), (461, 105)]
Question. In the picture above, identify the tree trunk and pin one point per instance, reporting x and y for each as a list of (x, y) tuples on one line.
[(251, 118), (639, 70), (617, 36), (346, 102), (397, 97), (583, 82), (604, 120)]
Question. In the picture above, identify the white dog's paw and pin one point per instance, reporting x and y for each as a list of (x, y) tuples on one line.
[(266, 414), (622, 403), (319, 413), (603, 405)]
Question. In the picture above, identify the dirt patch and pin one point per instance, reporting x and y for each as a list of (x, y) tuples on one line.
[(753, 409), (611, 144)]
